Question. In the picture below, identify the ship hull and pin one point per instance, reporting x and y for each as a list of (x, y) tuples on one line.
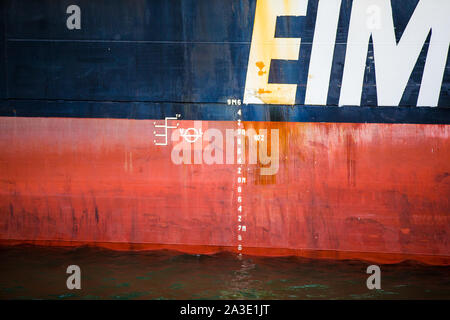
[(346, 120), (342, 190)]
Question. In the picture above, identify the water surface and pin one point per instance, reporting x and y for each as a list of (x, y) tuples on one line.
[(33, 272)]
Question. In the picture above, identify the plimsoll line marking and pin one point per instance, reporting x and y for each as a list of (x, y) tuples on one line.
[(166, 127)]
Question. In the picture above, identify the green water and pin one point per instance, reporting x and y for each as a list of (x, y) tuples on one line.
[(29, 272)]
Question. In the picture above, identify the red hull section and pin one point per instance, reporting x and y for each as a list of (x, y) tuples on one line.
[(378, 192)]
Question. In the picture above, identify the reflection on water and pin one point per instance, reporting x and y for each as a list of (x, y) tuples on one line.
[(29, 272), (241, 281)]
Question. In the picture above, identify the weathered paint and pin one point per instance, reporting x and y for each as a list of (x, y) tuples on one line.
[(350, 188), (265, 47), (194, 50), (78, 164)]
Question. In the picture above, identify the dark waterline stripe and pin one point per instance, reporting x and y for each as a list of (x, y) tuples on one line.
[(221, 112)]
